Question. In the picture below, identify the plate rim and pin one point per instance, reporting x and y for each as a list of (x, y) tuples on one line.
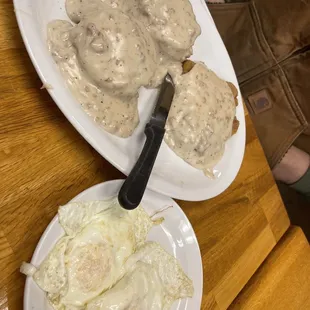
[(115, 183), (158, 184)]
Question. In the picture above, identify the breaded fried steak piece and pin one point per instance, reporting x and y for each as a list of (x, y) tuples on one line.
[(188, 65), (202, 116)]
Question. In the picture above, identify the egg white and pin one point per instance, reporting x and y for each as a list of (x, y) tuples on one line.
[(139, 289), (100, 236), (154, 280), (104, 262), (51, 276)]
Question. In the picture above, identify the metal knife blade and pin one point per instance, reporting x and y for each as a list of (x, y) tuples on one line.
[(164, 101)]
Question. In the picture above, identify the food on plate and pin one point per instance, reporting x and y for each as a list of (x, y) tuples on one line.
[(171, 23), (90, 258), (77, 9), (154, 281), (116, 48), (202, 117), (105, 59), (103, 252), (119, 46)]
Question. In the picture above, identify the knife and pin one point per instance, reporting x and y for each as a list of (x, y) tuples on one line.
[(131, 192)]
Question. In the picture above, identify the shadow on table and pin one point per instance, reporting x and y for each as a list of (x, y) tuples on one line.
[(297, 206)]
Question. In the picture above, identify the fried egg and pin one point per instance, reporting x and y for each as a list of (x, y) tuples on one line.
[(100, 236), (51, 276), (104, 262), (154, 280)]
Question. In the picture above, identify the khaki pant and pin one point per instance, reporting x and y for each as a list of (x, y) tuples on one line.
[(269, 44)]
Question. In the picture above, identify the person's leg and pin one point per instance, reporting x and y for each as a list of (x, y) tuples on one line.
[(294, 170)]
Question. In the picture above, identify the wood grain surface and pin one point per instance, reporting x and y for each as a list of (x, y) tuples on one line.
[(44, 162), (283, 281)]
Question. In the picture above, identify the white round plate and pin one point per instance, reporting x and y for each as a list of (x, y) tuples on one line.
[(175, 235), (171, 176)]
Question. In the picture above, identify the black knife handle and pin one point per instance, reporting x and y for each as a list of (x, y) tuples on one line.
[(131, 193)]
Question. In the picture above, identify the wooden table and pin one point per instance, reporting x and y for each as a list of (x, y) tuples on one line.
[(283, 280), (44, 162)]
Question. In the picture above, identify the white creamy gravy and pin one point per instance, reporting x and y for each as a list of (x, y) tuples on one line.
[(171, 23), (117, 47), (200, 119)]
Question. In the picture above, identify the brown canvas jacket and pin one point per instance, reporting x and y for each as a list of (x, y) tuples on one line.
[(268, 42)]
